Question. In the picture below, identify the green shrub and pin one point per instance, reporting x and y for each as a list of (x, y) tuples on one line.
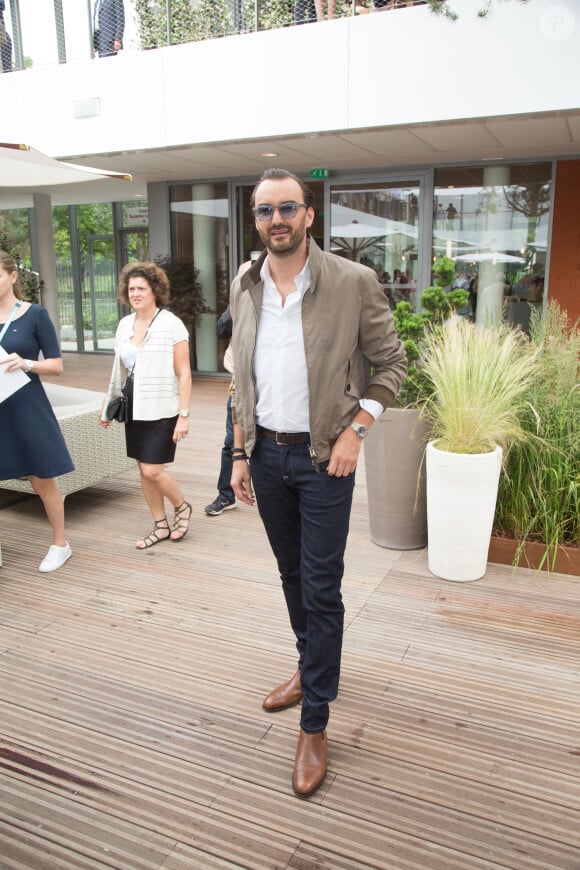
[(31, 284), (539, 498), (412, 326)]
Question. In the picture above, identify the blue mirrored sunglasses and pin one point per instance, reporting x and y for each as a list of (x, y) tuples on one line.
[(286, 210)]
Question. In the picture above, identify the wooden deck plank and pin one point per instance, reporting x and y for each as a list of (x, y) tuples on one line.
[(131, 686)]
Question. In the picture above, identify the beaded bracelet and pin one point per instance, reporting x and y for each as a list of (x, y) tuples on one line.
[(235, 458)]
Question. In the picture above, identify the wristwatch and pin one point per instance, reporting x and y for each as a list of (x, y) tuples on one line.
[(361, 431), (184, 413)]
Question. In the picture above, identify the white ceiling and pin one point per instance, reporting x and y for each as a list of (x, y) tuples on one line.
[(514, 138)]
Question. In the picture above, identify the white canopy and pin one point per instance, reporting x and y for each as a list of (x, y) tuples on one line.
[(356, 230), (490, 257), (26, 168)]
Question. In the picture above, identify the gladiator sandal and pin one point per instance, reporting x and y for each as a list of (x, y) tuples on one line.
[(181, 521), (154, 537)]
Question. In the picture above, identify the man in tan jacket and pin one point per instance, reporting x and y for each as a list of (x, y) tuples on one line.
[(309, 328)]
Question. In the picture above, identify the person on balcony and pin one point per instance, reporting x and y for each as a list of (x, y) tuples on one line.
[(330, 7), (31, 443), (307, 328), (108, 27), (304, 11)]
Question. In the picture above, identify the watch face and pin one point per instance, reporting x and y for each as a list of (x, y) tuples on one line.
[(360, 430)]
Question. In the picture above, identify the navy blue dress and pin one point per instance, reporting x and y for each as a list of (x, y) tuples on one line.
[(30, 438)]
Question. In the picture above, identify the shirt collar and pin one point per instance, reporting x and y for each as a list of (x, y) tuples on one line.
[(302, 279)]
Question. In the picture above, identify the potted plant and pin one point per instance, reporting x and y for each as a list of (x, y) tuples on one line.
[(395, 446), (537, 516), (186, 300), (479, 378)]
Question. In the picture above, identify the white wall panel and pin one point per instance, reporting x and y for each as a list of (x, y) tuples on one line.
[(388, 68)]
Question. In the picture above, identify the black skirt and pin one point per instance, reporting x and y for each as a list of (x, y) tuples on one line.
[(151, 441)]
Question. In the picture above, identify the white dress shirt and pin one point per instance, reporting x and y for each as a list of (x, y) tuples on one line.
[(280, 363), (279, 360)]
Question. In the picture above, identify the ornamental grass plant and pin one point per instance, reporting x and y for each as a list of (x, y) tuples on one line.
[(479, 380), (539, 497)]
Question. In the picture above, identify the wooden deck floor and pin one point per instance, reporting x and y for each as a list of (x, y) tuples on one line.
[(131, 731)]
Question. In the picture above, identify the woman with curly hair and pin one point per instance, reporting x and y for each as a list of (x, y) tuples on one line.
[(151, 345)]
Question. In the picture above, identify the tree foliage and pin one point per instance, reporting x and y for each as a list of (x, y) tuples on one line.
[(443, 7), (186, 301), (30, 282), (208, 19), (92, 219), (412, 327)]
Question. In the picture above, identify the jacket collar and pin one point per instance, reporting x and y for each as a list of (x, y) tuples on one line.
[(251, 276)]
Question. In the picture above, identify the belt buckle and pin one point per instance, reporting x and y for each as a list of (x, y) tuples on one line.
[(280, 443)]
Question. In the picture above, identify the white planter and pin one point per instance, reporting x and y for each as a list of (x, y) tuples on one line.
[(395, 474), (461, 497)]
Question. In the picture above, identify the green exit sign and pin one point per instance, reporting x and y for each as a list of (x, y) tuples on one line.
[(319, 173)]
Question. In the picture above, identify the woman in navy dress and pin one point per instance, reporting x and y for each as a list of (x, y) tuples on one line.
[(31, 443)]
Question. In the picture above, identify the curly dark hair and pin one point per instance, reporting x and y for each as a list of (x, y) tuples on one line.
[(155, 276)]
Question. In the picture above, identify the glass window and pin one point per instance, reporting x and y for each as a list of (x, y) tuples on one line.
[(200, 239), (377, 224), (250, 242), (87, 299), (493, 222)]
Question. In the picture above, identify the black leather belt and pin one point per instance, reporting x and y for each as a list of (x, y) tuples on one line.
[(285, 438)]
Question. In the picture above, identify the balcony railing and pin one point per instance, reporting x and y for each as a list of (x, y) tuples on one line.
[(33, 34)]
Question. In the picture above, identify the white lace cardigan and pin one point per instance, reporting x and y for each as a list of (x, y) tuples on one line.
[(155, 387)]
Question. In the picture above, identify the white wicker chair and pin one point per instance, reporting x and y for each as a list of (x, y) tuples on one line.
[(96, 452)]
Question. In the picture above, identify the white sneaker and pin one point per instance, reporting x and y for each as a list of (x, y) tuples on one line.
[(55, 558)]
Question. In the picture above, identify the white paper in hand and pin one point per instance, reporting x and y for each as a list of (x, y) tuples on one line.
[(10, 382)]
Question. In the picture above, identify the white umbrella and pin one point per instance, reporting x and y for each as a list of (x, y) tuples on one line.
[(490, 256), (24, 167), (356, 230)]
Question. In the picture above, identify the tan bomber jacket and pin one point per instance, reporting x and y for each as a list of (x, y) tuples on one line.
[(348, 331)]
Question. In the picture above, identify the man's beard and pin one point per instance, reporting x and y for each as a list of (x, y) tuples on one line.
[(290, 243)]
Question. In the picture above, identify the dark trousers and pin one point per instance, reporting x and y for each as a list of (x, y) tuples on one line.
[(224, 488), (304, 11), (306, 515)]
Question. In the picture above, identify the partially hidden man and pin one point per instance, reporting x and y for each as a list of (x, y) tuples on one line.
[(309, 328)]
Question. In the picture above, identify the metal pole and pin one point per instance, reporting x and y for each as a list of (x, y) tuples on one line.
[(91, 34), (60, 40), (77, 277), (16, 34)]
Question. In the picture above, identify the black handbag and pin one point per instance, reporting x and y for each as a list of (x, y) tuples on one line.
[(119, 408)]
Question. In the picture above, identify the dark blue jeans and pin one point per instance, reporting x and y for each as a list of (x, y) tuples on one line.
[(224, 488), (306, 515)]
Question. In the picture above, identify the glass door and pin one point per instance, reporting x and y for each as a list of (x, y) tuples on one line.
[(248, 239), (134, 245), (100, 306), (377, 223)]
